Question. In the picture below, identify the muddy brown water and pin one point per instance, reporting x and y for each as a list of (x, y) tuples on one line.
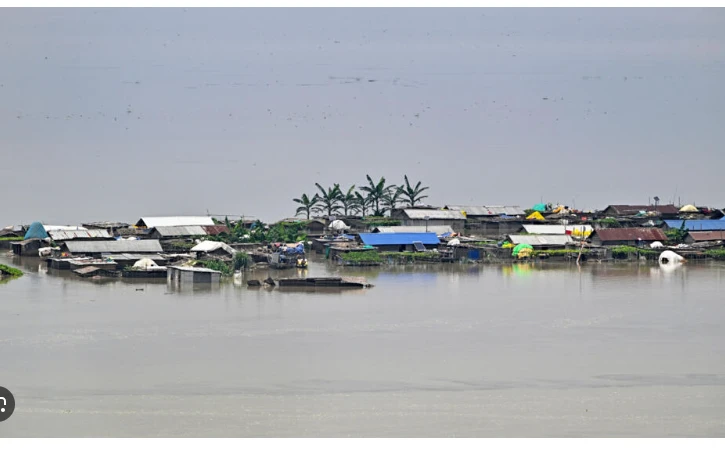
[(438, 350)]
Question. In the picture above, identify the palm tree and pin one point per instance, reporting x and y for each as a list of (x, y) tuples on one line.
[(308, 205), (391, 197), (413, 194), (348, 201), (362, 202), (330, 199), (375, 192)]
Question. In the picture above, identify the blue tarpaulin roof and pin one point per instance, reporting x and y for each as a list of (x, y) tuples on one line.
[(36, 231), (697, 225), (399, 238)]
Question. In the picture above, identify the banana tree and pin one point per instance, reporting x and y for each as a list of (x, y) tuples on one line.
[(329, 199), (412, 194), (308, 205)]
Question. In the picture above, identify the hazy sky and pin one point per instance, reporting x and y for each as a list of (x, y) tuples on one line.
[(114, 114)]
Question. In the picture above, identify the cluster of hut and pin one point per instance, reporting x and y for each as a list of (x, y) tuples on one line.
[(154, 247), (467, 232), (164, 246)]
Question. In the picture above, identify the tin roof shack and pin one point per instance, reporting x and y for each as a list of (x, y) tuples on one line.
[(487, 212), (627, 236), (98, 248), (179, 276), (28, 247), (60, 236), (210, 249), (176, 232), (623, 210), (542, 242), (704, 236), (441, 231), (576, 230), (110, 226), (152, 222), (490, 221), (404, 241), (430, 217), (696, 225)]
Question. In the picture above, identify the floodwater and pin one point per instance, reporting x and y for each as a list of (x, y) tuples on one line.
[(508, 351)]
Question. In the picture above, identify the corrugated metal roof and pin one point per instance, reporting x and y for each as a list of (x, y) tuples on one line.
[(152, 222), (133, 257), (207, 246), (195, 269), (488, 210), (625, 209), (541, 240), (706, 236), (216, 229), (114, 246), (50, 227), (629, 234), (180, 231), (555, 228), (697, 225), (403, 238), (398, 229), (434, 214), (60, 234)]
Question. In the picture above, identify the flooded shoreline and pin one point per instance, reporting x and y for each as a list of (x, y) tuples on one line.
[(433, 350)]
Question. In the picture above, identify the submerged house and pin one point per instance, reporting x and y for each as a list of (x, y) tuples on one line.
[(627, 236), (430, 217), (192, 275), (404, 241), (490, 221), (28, 247)]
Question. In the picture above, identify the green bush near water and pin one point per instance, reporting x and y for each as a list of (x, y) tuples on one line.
[(11, 239), (10, 271), (241, 260), (624, 251), (361, 256), (218, 266), (559, 252), (718, 254), (412, 256)]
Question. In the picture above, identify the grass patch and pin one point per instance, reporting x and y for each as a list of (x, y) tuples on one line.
[(9, 271), (412, 256), (559, 252), (624, 251), (11, 239), (361, 256), (716, 254)]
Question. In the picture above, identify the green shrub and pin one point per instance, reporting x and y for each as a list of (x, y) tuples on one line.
[(11, 239), (361, 256), (623, 251), (559, 252), (6, 270), (218, 266), (374, 222), (718, 254), (241, 260), (610, 222)]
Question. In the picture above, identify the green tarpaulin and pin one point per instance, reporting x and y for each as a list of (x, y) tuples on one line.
[(520, 247), (541, 207)]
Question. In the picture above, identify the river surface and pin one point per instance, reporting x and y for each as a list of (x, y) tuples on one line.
[(492, 350)]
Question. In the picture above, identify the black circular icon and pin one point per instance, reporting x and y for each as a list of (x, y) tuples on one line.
[(7, 404)]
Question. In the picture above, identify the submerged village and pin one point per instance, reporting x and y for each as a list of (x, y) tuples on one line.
[(373, 225)]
